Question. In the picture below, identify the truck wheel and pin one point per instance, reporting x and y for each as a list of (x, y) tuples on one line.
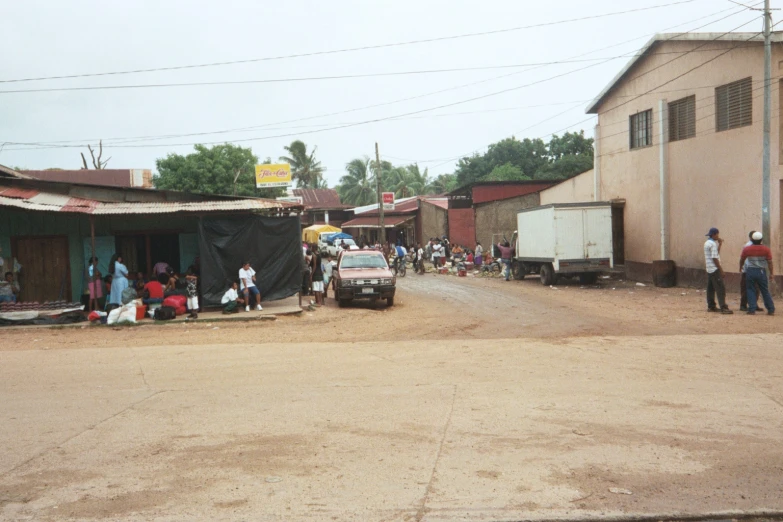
[(547, 274), (519, 270), (588, 279), (389, 301)]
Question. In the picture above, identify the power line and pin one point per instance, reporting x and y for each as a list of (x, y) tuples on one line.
[(645, 93), (144, 138), (352, 49)]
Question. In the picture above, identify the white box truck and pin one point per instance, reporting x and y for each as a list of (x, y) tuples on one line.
[(564, 239)]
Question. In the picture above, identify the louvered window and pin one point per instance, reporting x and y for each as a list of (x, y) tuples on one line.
[(682, 119), (734, 105), (641, 129)]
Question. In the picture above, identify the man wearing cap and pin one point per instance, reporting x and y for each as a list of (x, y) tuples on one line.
[(715, 273), (757, 270), (743, 281)]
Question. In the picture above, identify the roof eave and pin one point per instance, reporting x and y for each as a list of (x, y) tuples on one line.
[(677, 37)]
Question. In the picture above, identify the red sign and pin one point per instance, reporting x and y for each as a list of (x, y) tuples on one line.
[(388, 200)]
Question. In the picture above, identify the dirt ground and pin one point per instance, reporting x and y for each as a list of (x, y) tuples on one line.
[(470, 399), (446, 307)]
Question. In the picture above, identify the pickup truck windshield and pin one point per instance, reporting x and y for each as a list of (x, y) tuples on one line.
[(363, 261)]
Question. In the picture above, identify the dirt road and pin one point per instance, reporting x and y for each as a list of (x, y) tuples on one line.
[(470, 399)]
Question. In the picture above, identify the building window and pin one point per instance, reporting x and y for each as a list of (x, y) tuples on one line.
[(641, 129), (682, 119), (734, 105)]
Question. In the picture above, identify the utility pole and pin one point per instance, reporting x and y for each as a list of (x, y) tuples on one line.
[(765, 196), (380, 195)]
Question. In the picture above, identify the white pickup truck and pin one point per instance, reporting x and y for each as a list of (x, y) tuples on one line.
[(330, 247), (565, 239)]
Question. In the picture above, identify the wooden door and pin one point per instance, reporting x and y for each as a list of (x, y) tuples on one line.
[(46, 268)]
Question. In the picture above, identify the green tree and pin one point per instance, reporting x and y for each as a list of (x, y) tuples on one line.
[(570, 144), (443, 184), (305, 170), (506, 172), (358, 187), (222, 169), (566, 167)]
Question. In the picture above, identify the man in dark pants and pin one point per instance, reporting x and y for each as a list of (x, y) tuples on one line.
[(744, 279), (715, 283), (759, 269)]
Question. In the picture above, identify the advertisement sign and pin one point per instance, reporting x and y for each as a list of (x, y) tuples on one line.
[(388, 200), (273, 175)]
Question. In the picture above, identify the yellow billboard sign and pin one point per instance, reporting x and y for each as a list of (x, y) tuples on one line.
[(273, 175)]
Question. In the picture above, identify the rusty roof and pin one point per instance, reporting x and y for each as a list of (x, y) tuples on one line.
[(41, 200), (319, 198)]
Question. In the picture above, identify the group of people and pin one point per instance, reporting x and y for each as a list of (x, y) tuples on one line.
[(318, 270), (756, 267), (115, 288)]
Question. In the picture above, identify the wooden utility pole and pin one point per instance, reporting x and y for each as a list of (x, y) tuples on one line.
[(380, 194)]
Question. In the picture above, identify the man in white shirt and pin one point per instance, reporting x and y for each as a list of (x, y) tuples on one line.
[(247, 281), (715, 283), (437, 252), (231, 299)]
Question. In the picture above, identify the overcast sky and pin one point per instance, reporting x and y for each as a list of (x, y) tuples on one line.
[(54, 38)]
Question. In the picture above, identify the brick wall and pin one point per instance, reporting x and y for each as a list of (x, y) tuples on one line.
[(462, 227)]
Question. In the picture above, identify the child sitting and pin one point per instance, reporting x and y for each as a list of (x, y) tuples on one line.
[(231, 299)]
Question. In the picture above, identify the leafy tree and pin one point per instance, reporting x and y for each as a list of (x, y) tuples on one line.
[(419, 181), (506, 172), (222, 169), (571, 144), (358, 187), (566, 167), (444, 183), (305, 170)]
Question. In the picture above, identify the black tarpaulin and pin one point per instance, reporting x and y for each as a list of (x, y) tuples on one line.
[(271, 244)]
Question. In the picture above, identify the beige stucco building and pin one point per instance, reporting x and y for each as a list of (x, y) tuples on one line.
[(679, 145)]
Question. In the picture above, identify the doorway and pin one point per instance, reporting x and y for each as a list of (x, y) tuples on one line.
[(46, 268), (618, 232), (141, 251)]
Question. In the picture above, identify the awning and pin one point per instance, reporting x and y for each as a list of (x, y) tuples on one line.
[(372, 222), (311, 233)]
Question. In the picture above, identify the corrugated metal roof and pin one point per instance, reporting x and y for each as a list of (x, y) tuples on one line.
[(372, 222), (319, 198), (28, 199)]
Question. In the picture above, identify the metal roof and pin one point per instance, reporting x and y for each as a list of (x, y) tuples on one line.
[(320, 198), (7, 172), (38, 200), (372, 222), (777, 36)]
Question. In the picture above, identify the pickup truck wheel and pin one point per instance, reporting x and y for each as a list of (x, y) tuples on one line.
[(588, 279), (519, 270), (389, 301), (547, 274)]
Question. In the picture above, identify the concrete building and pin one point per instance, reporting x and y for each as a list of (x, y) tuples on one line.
[(679, 146), (322, 207), (484, 209), (410, 221)]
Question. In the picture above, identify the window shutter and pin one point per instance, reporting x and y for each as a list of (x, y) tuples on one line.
[(682, 119), (734, 105)]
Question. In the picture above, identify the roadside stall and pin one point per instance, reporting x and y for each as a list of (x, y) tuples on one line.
[(312, 233)]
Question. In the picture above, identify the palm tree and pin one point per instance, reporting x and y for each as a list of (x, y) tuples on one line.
[(402, 182), (305, 170), (358, 187), (444, 183), (420, 181)]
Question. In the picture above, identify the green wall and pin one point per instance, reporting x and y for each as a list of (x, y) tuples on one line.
[(77, 229)]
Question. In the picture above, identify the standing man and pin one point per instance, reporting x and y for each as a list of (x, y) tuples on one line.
[(715, 273), (437, 251), (247, 281), (743, 281), (757, 271), (506, 253)]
